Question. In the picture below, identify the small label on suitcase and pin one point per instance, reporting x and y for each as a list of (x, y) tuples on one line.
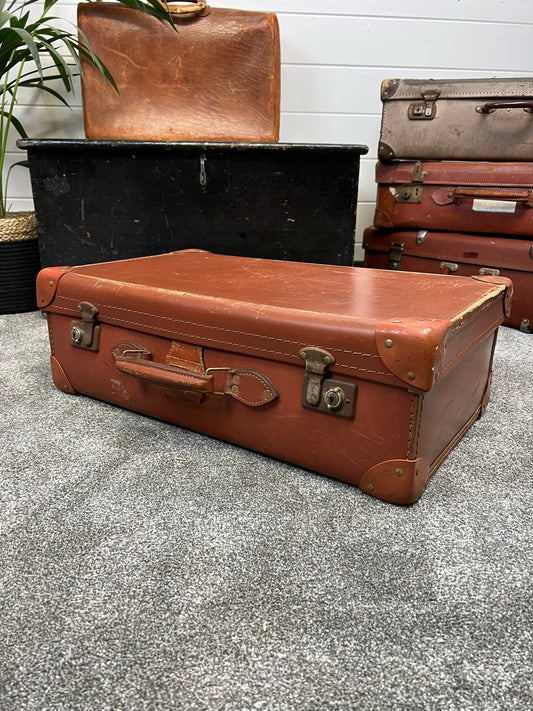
[(493, 205)]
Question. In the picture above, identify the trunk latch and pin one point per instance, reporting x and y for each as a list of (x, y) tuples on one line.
[(325, 394), (424, 110), (86, 333)]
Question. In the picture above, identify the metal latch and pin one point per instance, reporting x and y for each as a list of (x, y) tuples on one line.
[(487, 271), (448, 267), (86, 333), (420, 237), (336, 397), (424, 110), (396, 255), (409, 193)]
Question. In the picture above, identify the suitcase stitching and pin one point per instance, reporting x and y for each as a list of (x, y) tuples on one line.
[(217, 328), (473, 344), (473, 315), (419, 418), (240, 345)]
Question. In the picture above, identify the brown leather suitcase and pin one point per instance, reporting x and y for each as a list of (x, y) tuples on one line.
[(458, 196), (459, 254), (217, 78), (365, 375), (457, 119)]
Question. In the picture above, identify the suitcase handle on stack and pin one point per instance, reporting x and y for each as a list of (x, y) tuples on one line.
[(248, 386), (492, 106), (446, 196)]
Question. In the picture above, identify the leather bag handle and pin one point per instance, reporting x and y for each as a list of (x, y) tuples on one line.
[(447, 196), (199, 8), (492, 106), (494, 194), (247, 386)]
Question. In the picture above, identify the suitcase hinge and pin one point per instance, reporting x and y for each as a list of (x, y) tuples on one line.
[(396, 255), (487, 271), (336, 397), (424, 110), (85, 334), (448, 267)]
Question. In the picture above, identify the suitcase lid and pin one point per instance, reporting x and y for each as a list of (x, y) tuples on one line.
[(394, 327), (501, 88), (482, 251), (456, 173)]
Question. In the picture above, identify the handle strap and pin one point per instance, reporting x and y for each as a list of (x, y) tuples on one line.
[(492, 106), (199, 8), (247, 386), (447, 196)]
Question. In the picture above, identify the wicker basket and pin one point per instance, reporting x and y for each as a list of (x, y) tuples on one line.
[(19, 262)]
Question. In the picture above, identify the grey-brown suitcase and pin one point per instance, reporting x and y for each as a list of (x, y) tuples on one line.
[(458, 119)]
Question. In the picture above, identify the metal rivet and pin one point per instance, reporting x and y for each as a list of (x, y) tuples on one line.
[(267, 394), (303, 354), (399, 472), (327, 359), (396, 320), (234, 389), (370, 487), (411, 375), (236, 378), (50, 283), (388, 343)]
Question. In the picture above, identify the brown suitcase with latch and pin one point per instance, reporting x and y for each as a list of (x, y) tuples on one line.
[(365, 375), (460, 254), (458, 196), (457, 119)]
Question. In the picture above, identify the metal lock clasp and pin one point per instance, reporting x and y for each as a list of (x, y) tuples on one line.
[(424, 110), (325, 394), (86, 333)]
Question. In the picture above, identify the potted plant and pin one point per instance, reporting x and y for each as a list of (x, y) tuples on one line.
[(36, 52)]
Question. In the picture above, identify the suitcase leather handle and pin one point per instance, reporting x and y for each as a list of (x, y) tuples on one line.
[(195, 8), (247, 386), (492, 106), (447, 196)]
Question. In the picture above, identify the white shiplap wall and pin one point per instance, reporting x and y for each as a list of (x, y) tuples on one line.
[(335, 53)]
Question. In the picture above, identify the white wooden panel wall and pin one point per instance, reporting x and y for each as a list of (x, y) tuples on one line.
[(335, 53)]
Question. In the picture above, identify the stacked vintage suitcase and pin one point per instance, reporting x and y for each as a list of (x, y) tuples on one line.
[(455, 183)]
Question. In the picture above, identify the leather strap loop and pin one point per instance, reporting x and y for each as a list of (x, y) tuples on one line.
[(247, 386)]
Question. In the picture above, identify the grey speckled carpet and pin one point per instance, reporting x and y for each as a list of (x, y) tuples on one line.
[(147, 567)]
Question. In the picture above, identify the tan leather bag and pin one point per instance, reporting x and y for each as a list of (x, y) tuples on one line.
[(217, 78)]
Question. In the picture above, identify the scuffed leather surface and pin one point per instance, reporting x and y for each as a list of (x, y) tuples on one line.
[(216, 79), (254, 316)]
